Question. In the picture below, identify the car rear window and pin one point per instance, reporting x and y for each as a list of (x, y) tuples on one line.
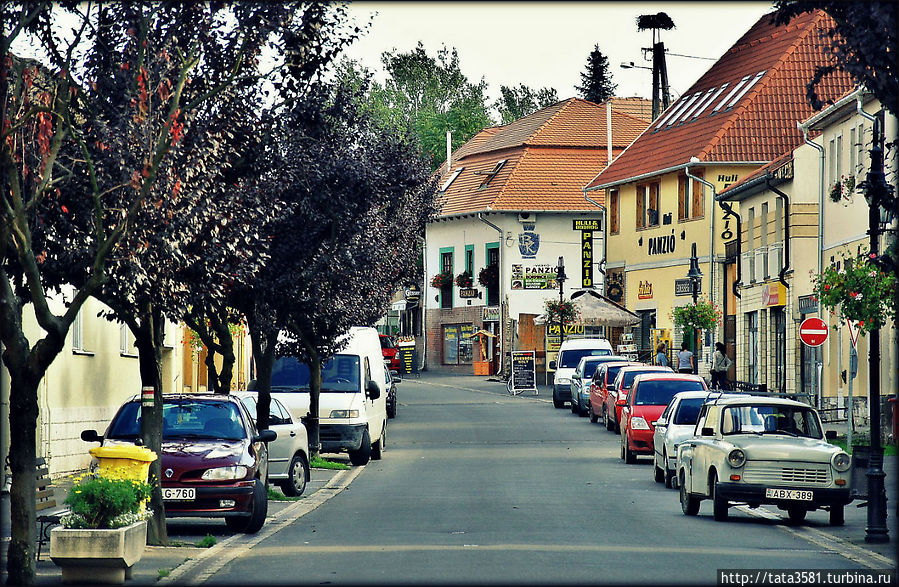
[(339, 374), (627, 380), (688, 411), (659, 393), (184, 418), (571, 357)]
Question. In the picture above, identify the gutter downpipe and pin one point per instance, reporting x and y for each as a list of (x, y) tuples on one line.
[(424, 304), (711, 236), (502, 322), (785, 264)]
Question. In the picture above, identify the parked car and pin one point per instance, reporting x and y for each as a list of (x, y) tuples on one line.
[(390, 352), (602, 383), (675, 425), (570, 353), (214, 461), (617, 396), (288, 455), (392, 379), (760, 450), (582, 378), (647, 399)]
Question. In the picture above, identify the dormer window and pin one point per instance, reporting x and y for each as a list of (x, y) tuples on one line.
[(489, 175)]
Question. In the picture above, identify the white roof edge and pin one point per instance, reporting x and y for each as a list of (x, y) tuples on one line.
[(810, 122)]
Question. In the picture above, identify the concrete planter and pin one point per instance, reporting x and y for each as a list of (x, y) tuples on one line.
[(98, 556)]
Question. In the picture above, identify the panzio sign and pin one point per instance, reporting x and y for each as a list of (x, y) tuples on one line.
[(587, 226)]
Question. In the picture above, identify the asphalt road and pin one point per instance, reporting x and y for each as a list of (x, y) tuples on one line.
[(480, 487)]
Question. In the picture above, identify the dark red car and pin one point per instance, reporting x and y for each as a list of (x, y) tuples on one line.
[(390, 352), (618, 394), (214, 462)]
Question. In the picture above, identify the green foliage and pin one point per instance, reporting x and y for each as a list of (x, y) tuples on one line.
[(566, 310), (464, 279), (703, 315), (515, 103), (860, 290), (442, 279), (163, 573), (842, 189), (489, 275), (320, 463), (208, 541), (104, 502), (596, 80)]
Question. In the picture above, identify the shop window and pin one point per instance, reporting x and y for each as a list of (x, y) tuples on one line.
[(458, 344)]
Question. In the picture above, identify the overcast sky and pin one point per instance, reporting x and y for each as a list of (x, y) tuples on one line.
[(546, 44)]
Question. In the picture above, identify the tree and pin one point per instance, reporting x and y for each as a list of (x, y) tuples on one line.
[(596, 79), (515, 103)]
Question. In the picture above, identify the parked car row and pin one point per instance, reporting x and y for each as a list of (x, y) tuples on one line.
[(729, 448)]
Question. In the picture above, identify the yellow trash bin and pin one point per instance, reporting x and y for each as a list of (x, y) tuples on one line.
[(124, 462)]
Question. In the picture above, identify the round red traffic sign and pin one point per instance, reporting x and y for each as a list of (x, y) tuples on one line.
[(813, 331)]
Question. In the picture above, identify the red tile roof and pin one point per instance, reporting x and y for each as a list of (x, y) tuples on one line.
[(733, 191), (549, 156), (754, 127), (634, 106)]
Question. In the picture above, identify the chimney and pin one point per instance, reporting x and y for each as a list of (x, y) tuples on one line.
[(609, 128), (449, 150)]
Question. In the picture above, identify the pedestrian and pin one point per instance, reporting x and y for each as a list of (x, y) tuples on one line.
[(661, 355), (684, 359), (720, 364)]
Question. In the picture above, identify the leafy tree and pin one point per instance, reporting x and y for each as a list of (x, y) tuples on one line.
[(596, 79), (515, 103)]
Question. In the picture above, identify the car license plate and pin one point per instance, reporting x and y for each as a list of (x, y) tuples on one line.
[(796, 494), (179, 493)]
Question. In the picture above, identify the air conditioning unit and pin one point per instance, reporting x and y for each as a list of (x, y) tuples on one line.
[(527, 217)]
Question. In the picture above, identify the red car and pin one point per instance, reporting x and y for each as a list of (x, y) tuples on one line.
[(647, 399), (390, 352), (599, 388), (617, 395)]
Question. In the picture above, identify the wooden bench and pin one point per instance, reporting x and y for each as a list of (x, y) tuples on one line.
[(48, 511)]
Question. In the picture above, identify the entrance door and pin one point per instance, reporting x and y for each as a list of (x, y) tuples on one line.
[(808, 372)]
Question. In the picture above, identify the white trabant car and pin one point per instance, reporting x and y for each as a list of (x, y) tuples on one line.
[(758, 450)]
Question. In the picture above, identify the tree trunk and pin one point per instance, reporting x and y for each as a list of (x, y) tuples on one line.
[(224, 346), (313, 425), (148, 339), (264, 356)]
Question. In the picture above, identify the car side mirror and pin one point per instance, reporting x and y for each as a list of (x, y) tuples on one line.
[(660, 423), (575, 376), (830, 434), (552, 365), (91, 436), (266, 436), (621, 402), (707, 432), (372, 391)]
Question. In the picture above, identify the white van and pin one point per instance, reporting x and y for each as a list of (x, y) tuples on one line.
[(570, 354), (353, 401)]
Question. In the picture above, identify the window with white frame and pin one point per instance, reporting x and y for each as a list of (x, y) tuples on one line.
[(78, 331), (126, 341), (750, 243), (859, 147), (763, 239)]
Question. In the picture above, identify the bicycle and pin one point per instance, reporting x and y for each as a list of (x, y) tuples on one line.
[(509, 388)]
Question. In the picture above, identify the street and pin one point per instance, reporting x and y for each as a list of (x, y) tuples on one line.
[(480, 487)]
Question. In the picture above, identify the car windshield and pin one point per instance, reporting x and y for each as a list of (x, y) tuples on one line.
[(659, 393), (590, 368), (688, 411), (612, 372), (571, 357), (770, 419), (339, 374), (386, 342), (184, 418)]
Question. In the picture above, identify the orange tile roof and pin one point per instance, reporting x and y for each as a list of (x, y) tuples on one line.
[(634, 106), (754, 127), (549, 155), (733, 191)]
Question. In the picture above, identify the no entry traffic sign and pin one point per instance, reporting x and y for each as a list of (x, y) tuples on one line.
[(813, 331)]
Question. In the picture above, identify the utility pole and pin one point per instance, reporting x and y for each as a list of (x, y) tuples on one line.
[(657, 23), (561, 277)]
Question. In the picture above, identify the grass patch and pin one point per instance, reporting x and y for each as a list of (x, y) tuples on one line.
[(862, 439), (275, 495), (320, 463), (208, 542), (163, 573)]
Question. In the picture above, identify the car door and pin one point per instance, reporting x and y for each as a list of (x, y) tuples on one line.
[(661, 428)]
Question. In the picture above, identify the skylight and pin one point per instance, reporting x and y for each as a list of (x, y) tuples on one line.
[(451, 178), (745, 89), (706, 103), (731, 94), (490, 174), (690, 106)]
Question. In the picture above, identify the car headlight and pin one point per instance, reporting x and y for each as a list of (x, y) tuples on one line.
[(638, 423), (841, 461), (736, 458), (344, 413), (563, 381), (225, 473)]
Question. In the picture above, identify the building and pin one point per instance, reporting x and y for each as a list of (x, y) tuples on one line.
[(511, 204), (660, 193)]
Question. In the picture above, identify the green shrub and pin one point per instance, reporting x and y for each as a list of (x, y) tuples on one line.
[(103, 502)]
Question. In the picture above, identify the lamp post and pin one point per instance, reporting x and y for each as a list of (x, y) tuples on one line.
[(560, 278), (695, 277)]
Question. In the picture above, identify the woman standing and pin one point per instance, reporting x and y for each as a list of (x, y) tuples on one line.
[(661, 355), (720, 364), (684, 359)]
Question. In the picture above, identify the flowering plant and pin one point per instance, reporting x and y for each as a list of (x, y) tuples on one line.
[(842, 188), (489, 275), (464, 280), (565, 310), (441, 280), (860, 289), (106, 502), (702, 315)]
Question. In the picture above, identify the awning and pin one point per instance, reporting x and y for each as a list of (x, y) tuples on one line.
[(598, 310)]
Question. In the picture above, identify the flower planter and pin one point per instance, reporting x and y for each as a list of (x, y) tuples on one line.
[(99, 556)]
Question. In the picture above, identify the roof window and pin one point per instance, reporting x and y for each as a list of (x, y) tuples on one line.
[(745, 89), (451, 178), (711, 99), (490, 174), (732, 93)]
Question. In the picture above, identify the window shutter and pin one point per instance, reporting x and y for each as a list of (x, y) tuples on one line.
[(641, 206), (682, 197), (698, 199)]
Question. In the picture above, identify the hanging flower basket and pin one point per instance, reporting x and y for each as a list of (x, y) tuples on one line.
[(842, 189), (442, 280), (861, 291), (489, 275), (464, 280), (566, 310), (702, 315)]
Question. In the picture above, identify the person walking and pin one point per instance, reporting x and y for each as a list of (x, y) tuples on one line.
[(684, 359), (661, 355), (720, 364)]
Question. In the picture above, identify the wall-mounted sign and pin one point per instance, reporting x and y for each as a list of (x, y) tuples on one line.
[(528, 242), (468, 292), (644, 290), (586, 258), (684, 287), (808, 304), (774, 294), (586, 224), (570, 329), (534, 277), (615, 285), (490, 314), (412, 294), (662, 245)]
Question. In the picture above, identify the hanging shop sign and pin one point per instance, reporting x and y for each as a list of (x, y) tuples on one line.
[(570, 329), (644, 290), (774, 294), (534, 277), (615, 285), (684, 287), (528, 242), (586, 258), (412, 294), (490, 314)]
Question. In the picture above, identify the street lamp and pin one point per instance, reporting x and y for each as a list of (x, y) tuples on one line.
[(695, 277), (560, 278)]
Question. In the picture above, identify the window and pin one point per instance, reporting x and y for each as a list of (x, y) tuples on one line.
[(839, 157), (457, 344), (469, 259), (752, 346), (451, 179), (853, 152), (859, 146), (763, 235), (614, 205), (750, 243), (697, 195), (647, 205), (126, 342), (78, 331), (690, 200), (779, 220), (493, 259), (446, 266), (832, 175), (489, 175), (682, 208), (779, 320)]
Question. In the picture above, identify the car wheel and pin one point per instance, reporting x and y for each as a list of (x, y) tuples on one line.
[(688, 504), (837, 516), (617, 428), (391, 409), (659, 473), (297, 475), (669, 474), (377, 451), (608, 420), (622, 449), (629, 456), (258, 511), (574, 408), (363, 455), (719, 505), (557, 403), (593, 417), (796, 514)]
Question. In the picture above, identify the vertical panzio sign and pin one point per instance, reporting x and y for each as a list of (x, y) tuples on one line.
[(587, 227), (146, 396)]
